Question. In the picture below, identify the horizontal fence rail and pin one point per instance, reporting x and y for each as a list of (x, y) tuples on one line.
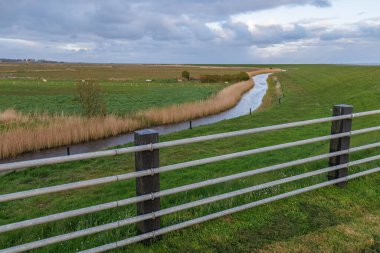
[(91, 155), (171, 210), (172, 228), (147, 168), (180, 189), (152, 171)]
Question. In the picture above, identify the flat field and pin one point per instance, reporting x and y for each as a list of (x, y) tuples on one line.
[(326, 220), (112, 72), (122, 97)]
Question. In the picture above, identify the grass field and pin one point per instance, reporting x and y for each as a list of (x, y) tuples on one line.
[(326, 220), (109, 71), (122, 97), (125, 87)]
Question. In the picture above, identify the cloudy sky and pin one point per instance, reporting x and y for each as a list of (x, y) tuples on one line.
[(198, 31)]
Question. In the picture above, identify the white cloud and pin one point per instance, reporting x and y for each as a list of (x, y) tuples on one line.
[(19, 42), (281, 50), (76, 47)]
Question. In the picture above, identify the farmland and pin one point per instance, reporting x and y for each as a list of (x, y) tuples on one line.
[(48, 104), (109, 71), (122, 97), (327, 220), (51, 87)]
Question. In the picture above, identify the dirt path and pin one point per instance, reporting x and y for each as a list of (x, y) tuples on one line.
[(263, 71)]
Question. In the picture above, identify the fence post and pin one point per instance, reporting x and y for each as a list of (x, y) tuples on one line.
[(191, 125), (148, 184), (340, 126)]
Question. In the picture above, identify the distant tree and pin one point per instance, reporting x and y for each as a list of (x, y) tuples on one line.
[(186, 74), (91, 98)]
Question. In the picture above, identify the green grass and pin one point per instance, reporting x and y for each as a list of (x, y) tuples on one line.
[(126, 90), (73, 71), (122, 97), (310, 221)]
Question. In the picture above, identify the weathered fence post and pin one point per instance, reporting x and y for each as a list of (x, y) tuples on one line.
[(337, 127), (148, 184)]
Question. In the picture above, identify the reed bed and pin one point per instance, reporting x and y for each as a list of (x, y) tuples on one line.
[(225, 99), (21, 133), (222, 101), (11, 115), (59, 131)]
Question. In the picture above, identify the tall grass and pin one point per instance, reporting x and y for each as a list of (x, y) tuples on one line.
[(22, 133), (53, 131), (11, 115), (222, 101)]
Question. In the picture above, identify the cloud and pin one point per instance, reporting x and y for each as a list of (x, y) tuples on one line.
[(175, 30), (322, 3), (364, 30), (26, 43), (162, 20)]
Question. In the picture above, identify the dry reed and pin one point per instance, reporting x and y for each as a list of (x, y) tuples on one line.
[(58, 131), (222, 101), (11, 115)]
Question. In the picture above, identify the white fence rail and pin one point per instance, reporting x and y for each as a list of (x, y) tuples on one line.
[(147, 171)]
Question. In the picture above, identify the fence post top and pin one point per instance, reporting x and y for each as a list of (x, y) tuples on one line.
[(344, 105), (146, 132), (342, 109)]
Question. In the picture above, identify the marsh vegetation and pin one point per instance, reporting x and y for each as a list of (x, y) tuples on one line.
[(60, 113)]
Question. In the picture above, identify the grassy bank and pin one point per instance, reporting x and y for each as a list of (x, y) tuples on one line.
[(326, 220)]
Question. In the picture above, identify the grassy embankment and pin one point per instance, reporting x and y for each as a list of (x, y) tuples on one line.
[(325, 220), (132, 105)]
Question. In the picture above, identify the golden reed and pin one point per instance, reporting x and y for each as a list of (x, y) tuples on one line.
[(222, 101), (60, 130), (22, 133)]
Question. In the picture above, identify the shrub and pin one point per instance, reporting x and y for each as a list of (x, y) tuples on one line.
[(91, 98), (186, 74)]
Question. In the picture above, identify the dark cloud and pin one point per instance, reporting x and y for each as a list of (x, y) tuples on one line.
[(322, 3), (157, 31), (162, 20)]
